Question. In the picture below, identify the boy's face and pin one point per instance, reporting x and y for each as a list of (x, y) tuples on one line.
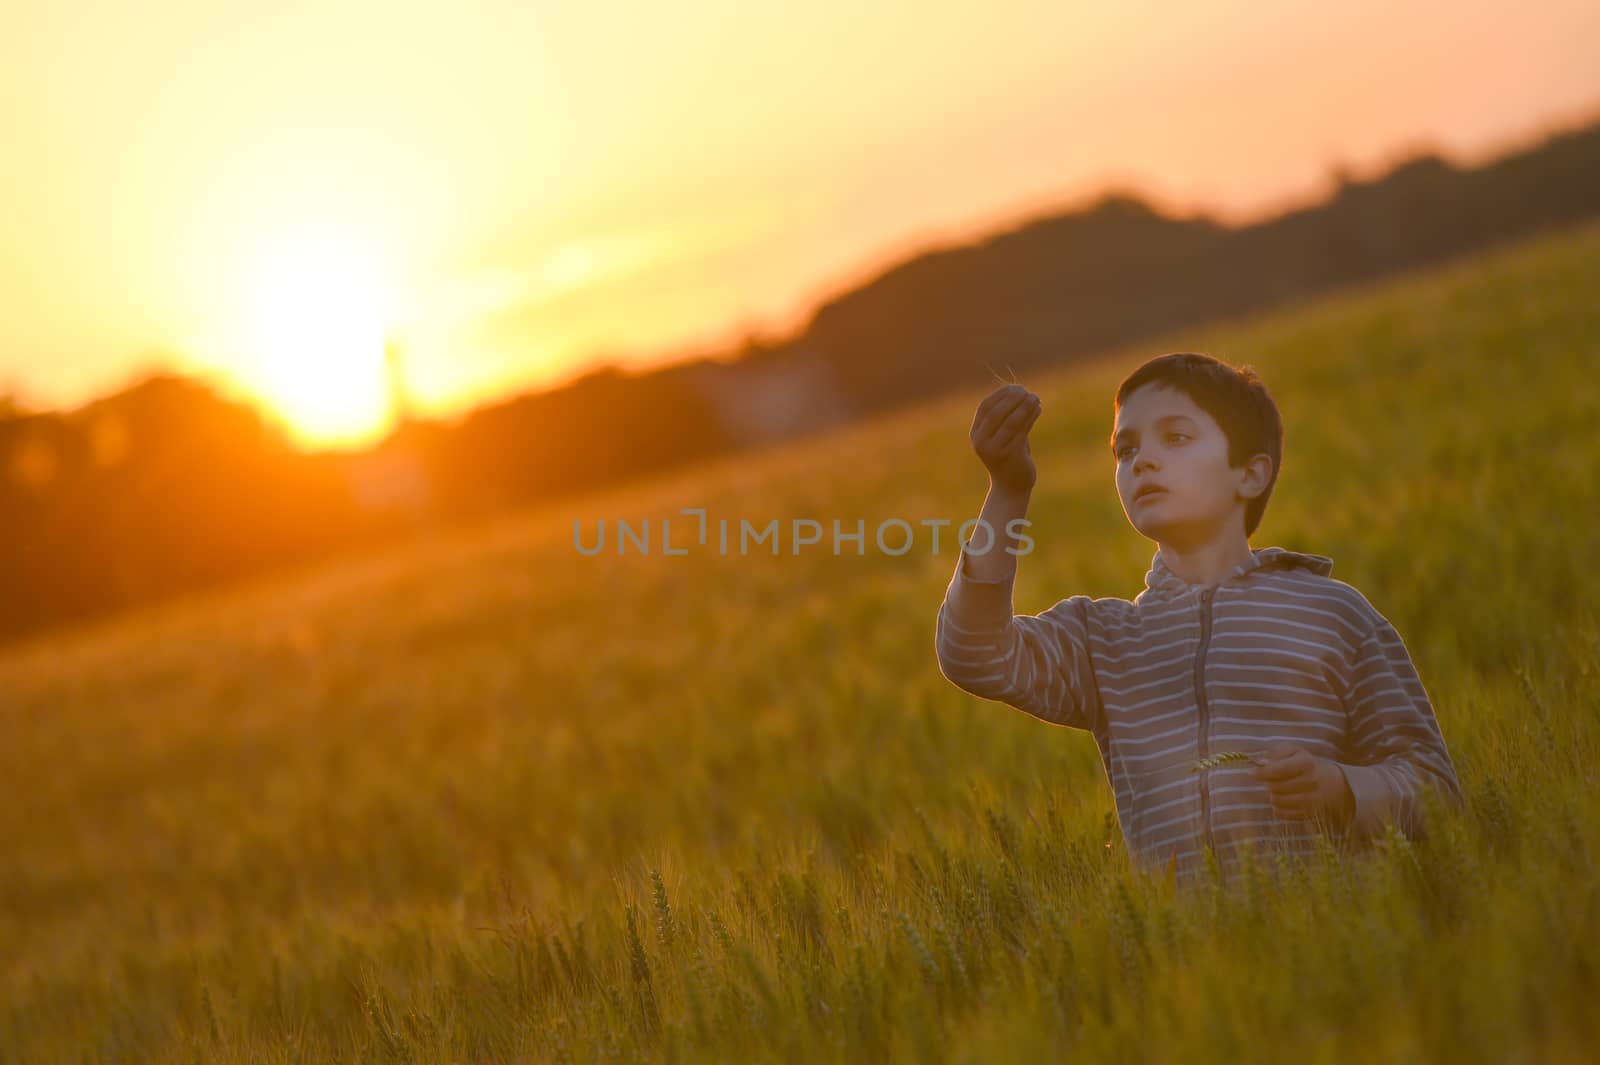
[(1162, 438)]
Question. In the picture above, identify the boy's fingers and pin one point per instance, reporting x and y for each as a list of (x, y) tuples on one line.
[(1007, 395), (1020, 419), (1294, 786), (982, 418), (985, 424), (1280, 769), (1001, 395), (1020, 433), (1012, 421), (999, 432)]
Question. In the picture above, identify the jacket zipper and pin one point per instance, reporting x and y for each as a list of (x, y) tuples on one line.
[(1200, 696)]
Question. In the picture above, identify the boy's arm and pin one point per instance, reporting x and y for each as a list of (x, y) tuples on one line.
[(1398, 746), (1036, 663)]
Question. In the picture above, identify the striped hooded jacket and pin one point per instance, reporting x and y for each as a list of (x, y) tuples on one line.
[(1278, 651)]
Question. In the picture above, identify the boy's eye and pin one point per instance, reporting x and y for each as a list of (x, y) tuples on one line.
[(1123, 451)]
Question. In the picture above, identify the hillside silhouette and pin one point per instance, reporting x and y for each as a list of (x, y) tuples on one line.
[(167, 486)]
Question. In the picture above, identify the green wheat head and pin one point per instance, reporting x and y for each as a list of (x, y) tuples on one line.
[(1223, 757)]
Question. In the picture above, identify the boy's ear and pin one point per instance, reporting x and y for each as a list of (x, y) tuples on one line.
[(1254, 475)]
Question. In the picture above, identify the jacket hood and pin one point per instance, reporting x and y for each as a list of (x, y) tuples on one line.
[(1161, 582)]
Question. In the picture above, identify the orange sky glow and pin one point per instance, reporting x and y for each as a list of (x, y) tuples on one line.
[(268, 195)]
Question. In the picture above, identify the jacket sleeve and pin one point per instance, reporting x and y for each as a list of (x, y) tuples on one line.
[(1398, 749), (1038, 663)]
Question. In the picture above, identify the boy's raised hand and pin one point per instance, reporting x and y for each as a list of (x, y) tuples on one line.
[(1000, 436)]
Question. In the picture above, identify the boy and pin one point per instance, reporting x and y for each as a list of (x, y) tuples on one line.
[(1227, 649)]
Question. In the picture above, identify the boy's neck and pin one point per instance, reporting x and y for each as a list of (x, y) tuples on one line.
[(1207, 564)]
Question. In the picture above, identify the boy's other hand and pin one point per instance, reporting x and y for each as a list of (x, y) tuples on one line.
[(1304, 785), (1000, 436)]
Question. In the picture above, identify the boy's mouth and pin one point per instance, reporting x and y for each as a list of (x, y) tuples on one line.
[(1147, 491)]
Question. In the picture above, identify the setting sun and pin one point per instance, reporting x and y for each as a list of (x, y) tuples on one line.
[(320, 313)]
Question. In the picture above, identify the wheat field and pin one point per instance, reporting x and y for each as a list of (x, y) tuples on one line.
[(482, 798)]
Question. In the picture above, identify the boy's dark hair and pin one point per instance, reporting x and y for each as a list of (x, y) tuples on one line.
[(1235, 396)]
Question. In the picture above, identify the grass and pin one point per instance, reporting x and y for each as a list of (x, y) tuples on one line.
[(481, 799)]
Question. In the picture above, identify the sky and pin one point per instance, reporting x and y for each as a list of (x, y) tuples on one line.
[(270, 196)]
